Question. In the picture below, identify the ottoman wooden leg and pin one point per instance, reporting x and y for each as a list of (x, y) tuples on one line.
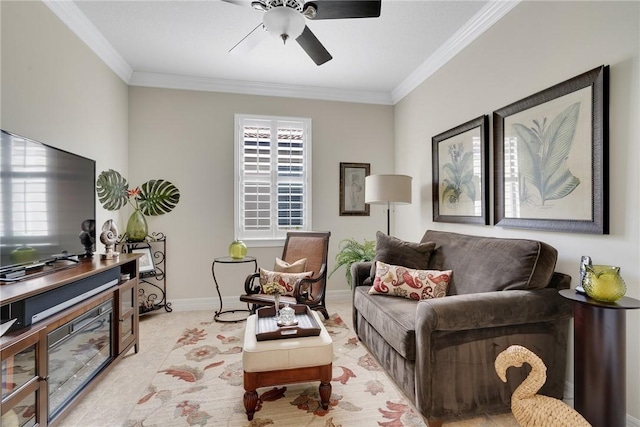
[(250, 403), (325, 394), (250, 398), (325, 385)]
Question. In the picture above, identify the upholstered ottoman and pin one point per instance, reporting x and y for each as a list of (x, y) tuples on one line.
[(285, 361)]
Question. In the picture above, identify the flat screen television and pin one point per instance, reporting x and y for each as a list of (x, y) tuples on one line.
[(47, 205)]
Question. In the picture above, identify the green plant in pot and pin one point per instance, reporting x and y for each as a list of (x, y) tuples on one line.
[(352, 251), (154, 197)]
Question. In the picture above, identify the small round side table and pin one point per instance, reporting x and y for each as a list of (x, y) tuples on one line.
[(599, 358), (229, 260)]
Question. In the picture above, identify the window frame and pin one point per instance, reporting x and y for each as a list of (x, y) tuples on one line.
[(276, 235)]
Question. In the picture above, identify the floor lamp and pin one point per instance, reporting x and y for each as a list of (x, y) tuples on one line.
[(387, 189)]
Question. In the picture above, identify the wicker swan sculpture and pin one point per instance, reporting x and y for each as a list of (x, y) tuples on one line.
[(529, 408)]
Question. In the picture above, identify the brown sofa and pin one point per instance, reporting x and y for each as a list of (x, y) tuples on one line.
[(441, 351)]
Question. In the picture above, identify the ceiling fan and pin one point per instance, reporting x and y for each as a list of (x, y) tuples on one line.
[(285, 19)]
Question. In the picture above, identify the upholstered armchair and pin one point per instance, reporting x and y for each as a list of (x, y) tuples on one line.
[(310, 245)]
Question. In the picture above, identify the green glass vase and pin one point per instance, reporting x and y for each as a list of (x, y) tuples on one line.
[(137, 228), (604, 283), (237, 249)]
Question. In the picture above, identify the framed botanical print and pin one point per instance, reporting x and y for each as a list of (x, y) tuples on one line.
[(551, 158), (460, 173)]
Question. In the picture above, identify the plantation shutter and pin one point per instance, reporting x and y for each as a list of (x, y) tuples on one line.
[(272, 191)]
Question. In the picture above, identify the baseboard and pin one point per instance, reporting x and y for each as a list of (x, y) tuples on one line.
[(632, 422), (233, 303)]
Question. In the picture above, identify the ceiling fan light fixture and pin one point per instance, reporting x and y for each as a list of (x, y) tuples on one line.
[(284, 23)]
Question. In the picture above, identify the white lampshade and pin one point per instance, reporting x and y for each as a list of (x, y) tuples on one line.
[(284, 23), (384, 189)]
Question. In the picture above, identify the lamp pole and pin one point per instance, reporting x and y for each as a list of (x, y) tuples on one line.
[(388, 218)]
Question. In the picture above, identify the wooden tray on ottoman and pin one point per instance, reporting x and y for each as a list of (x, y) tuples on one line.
[(267, 327)]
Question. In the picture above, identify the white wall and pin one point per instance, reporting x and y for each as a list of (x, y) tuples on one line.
[(186, 137), (57, 91), (537, 45)]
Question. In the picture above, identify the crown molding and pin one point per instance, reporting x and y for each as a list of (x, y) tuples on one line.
[(79, 24), (206, 84), (491, 13)]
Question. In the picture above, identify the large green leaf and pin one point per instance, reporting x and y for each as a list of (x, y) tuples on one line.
[(158, 197), (469, 189), (559, 139), (112, 190), (543, 153)]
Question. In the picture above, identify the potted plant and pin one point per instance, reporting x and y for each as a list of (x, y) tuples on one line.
[(154, 197), (353, 251)]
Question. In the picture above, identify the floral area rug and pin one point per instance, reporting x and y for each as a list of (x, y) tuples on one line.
[(200, 384)]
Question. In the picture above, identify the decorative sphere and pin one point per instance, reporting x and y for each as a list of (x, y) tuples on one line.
[(237, 249)]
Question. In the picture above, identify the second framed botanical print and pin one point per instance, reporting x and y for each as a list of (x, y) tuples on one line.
[(551, 157), (460, 177)]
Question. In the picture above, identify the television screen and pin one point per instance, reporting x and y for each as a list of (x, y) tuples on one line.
[(47, 202)]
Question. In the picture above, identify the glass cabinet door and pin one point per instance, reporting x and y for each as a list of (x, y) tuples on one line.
[(21, 381), (127, 325)]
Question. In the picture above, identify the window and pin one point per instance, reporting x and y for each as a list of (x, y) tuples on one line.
[(273, 177)]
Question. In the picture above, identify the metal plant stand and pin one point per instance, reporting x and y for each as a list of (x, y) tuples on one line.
[(152, 293)]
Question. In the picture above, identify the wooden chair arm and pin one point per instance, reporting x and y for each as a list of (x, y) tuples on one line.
[(249, 286), (300, 289)]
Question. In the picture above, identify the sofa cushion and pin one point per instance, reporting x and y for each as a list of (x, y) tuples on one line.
[(406, 282), (392, 250), (286, 280), (485, 264), (393, 318)]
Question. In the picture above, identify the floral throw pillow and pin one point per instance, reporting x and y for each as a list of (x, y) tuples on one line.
[(409, 283), (286, 280)]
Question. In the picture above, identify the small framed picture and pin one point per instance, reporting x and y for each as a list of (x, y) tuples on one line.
[(352, 177), (146, 260)]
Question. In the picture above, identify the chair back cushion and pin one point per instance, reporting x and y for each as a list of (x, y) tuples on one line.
[(314, 246), (485, 264)]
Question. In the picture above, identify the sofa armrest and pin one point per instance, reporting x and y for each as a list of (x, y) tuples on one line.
[(360, 274), (444, 324), (491, 309)]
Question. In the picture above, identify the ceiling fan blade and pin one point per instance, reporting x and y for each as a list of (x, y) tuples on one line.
[(256, 4), (341, 9), (251, 40), (313, 47)]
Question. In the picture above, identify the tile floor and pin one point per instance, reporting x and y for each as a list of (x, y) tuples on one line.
[(113, 398)]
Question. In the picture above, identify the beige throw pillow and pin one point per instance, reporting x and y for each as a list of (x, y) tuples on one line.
[(295, 267)]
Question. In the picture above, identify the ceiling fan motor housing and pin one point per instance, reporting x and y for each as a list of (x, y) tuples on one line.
[(291, 4)]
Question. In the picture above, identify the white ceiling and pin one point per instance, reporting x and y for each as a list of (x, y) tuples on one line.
[(186, 43)]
